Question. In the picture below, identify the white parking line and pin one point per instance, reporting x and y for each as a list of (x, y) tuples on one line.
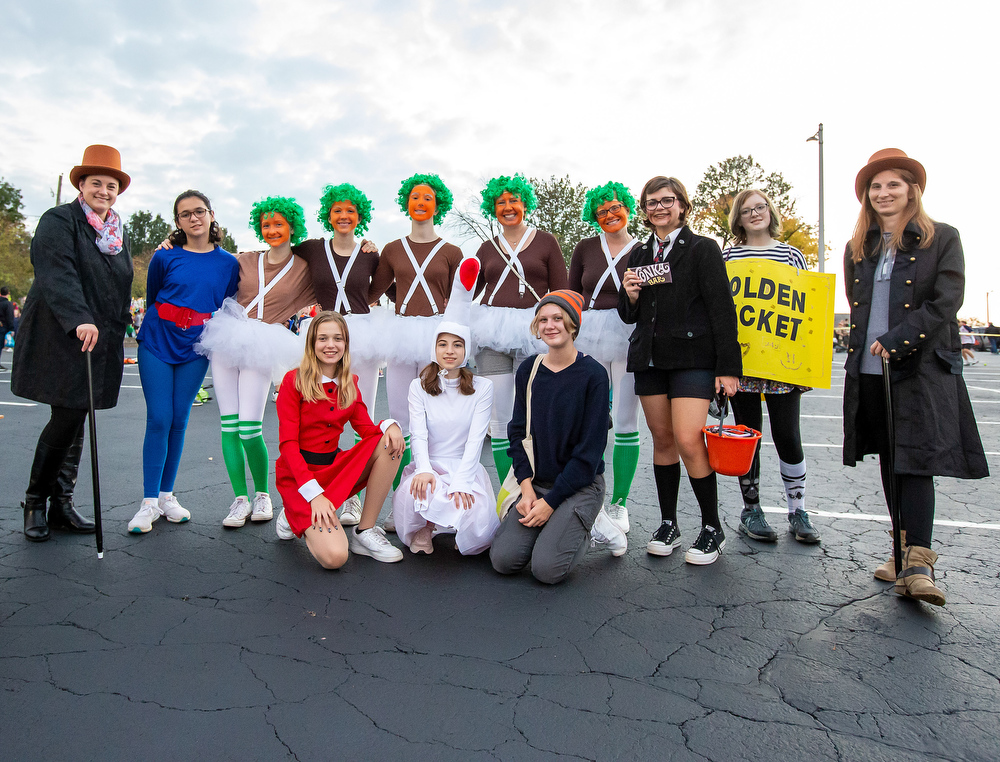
[(883, 518)]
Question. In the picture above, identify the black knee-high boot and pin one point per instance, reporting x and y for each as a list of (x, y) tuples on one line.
[(44, 469), (62, 513)]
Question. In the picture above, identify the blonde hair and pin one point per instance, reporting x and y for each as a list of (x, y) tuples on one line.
[(914, 213), (574, 327), (736, 217), (308, 381)]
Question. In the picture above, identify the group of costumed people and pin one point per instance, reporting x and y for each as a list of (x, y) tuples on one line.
[(554, 352)]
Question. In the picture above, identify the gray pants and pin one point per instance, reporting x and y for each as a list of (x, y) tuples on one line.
[(554, 548)]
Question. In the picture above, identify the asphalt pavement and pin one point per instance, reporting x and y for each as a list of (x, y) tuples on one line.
[(194, 641)]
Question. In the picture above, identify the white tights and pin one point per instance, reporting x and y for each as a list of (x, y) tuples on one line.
[(240, 391)]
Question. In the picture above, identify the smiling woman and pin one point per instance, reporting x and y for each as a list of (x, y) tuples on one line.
[(248, 346), (78, 302), (905, 280)]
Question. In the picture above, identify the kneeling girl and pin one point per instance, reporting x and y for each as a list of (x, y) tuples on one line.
[(313, 476), (446, 489)]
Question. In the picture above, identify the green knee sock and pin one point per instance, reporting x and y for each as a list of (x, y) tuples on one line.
[(232, 454), (501, 459), (403, 463), (624, 459), (252, 437)]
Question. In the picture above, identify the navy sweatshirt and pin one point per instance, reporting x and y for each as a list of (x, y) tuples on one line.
[(569, 425)]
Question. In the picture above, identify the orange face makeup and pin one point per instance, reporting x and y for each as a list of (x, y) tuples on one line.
[(422, 203), (275, 229), (610, 218), (509, 209), (344, 216)]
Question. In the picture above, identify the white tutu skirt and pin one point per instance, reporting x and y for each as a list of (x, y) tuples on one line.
[(368, 334), (240, 342), (504, 329), (406, 339), (604, 336), (473, 528)]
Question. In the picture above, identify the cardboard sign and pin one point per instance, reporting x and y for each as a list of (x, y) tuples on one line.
[(652, 275), (785, 321)]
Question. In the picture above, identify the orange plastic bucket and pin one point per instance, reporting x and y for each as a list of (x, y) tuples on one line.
[(731, 448)]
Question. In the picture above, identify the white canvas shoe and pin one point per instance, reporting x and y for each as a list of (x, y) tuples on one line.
[(282, 528), (238, 513), (262, 509), (350, 512), (606, 532)]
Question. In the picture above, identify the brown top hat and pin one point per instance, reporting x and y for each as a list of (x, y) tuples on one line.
[(888, 158), (100, 160)]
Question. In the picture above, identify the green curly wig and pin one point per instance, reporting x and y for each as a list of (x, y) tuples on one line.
[(602, 195), (442, 195), (287, 208), (517, 185), (345, 192)]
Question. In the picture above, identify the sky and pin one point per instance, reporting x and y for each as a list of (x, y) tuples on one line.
[(243, 100)]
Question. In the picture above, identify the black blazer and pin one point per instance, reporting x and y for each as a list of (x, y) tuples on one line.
[(691, 321), (74, 284)]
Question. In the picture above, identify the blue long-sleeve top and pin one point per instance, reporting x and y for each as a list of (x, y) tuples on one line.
[(198, 281), (569, 426)]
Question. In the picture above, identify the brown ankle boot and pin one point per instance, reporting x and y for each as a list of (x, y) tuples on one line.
[(917, 578), (887, 571)]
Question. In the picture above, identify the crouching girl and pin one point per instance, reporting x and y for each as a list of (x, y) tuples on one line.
[(314, 476)]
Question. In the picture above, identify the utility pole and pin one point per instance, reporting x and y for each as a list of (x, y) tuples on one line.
[(822, 240), (59, 190)]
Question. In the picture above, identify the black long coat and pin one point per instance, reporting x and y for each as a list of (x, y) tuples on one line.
[(936, 432), (691, 321), (74, 284)]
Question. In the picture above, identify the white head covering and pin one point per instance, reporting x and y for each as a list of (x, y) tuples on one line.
[(456, 316)]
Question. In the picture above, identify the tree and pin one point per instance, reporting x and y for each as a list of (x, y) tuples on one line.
[(803, 237), (228, 242), (15, 242), (560, 203), (10, 204), (714, 196), (146, 232)]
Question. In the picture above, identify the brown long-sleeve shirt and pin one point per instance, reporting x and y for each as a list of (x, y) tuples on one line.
[(544, 268), (394, 267)]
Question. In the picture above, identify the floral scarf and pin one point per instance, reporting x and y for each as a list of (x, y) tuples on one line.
[(109, 231)]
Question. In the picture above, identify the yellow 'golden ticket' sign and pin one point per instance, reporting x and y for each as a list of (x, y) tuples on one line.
[(785, 320)]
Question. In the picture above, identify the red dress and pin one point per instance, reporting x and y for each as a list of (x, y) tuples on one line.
[(315, 427)]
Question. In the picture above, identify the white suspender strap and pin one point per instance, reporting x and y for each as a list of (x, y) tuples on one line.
[(341, 304), (513, 263), (418, 275), (612, 271), (262, 290)]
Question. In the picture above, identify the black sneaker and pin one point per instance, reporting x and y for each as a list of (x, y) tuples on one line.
[(798, 524), (755, 526), (665, 539), (707, 547)]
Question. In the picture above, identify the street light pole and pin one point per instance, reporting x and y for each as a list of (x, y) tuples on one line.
[(822, 240)]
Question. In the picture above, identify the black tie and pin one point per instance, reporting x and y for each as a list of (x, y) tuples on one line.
[(659, 251)]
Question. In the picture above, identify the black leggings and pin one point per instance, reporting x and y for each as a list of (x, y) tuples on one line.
[(783, 411), (65, 427), (916, 493)]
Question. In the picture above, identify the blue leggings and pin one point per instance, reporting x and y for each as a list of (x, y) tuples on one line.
[(169, 391)]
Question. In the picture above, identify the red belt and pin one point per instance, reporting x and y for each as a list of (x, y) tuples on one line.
[(182, 317)]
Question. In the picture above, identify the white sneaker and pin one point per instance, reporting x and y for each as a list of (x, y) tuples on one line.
[(172, 510), (282, 528), (350, 512), (262, 509), (143, 520), (606, 532), (373, 542), (238, 513), (618, 513), (389, 525)]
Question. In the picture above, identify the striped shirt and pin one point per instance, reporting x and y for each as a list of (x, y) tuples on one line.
[(777, 252), (786, 255)]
